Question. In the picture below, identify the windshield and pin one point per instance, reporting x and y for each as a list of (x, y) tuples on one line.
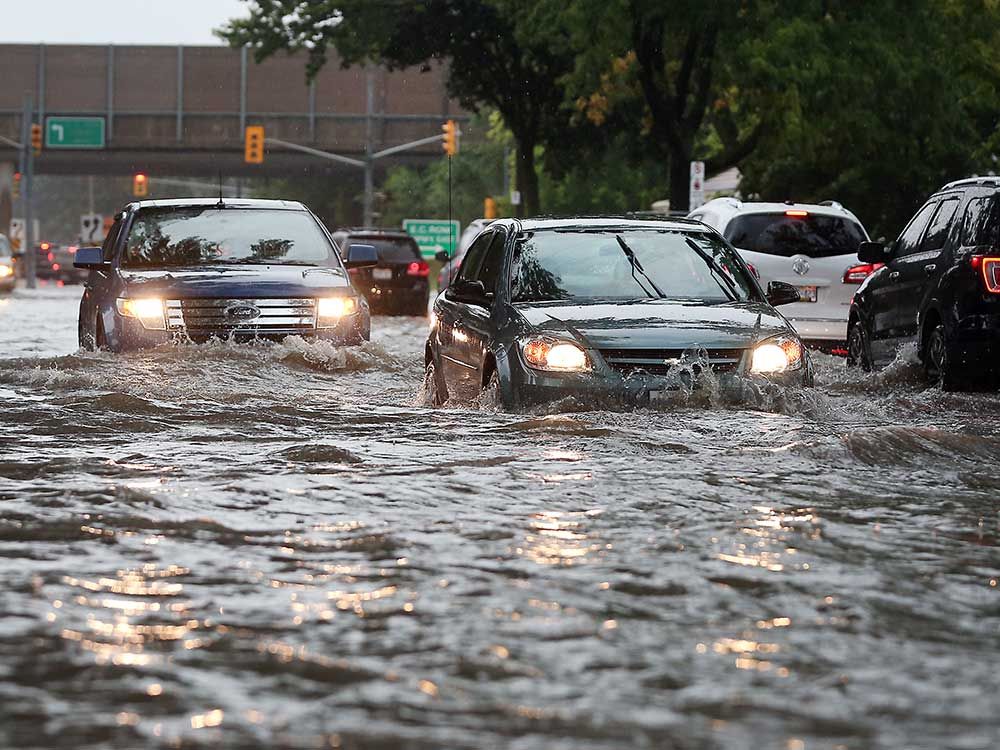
[(780, 234), (625, 264), (213, 236), (401, 250)]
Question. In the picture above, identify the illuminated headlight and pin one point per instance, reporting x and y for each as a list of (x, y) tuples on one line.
[(6, 271), (330, 310), (147, 310), (777, 355), (554, 355)]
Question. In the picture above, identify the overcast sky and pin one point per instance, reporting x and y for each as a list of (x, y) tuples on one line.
[(115, 21)]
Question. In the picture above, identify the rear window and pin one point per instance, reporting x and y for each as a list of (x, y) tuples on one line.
[(780, 234), (395, 249)]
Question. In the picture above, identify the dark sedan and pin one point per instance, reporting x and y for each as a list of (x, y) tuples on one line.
[(199, 269), (398, 282), (605, 309)]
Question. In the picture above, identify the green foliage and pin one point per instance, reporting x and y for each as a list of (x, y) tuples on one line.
[(883, 103)]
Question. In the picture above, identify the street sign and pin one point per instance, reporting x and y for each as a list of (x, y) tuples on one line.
[(433, 235), (696, 195), (74, 132), (16, 235), (91, 230)]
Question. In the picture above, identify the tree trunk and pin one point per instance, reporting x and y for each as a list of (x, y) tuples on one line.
[(527, 178), (680, 181)]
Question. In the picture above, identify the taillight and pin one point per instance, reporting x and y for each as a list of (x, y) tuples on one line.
[(857, 274), (418, 268), (56, 266), (754, 271), (990, 267)]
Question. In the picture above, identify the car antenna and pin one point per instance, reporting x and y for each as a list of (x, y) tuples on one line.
[(221, 203)]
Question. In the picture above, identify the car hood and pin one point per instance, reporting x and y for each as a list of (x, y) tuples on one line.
[(657, 324), (239, 281)]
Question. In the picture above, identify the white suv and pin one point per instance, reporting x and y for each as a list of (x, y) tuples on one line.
[(812, 247)]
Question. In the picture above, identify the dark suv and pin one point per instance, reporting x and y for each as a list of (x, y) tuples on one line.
[(939, 288), (398, 283)]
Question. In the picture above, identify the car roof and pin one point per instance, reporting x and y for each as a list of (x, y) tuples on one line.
[(225, 203), (599, 222), (987, 181), (736, 206), (373, 231)]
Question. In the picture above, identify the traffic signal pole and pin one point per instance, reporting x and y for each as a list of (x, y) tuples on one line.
[(28, 170)]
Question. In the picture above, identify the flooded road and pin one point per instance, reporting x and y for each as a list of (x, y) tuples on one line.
[(281, 546)]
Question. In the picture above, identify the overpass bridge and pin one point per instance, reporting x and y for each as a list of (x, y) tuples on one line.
[(181, 111)]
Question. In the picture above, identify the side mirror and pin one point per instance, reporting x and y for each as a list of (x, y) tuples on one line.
[(90, 259), (442, 256), (781, 293), (469, 292), (871, 252), (361, 256)]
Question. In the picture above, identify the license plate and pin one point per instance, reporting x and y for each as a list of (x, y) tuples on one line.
[(382, 274), (807, 293)]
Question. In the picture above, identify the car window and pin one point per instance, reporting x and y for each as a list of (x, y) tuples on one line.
[(585, 264), (937, 232), (469, 270), (909, 241), (111, 241), (489, 270), (390, 249), (789, 233), (4, 247), (979, 227), (196, 235)]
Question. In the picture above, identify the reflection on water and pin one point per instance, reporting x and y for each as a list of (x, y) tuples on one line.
[(272, 546)]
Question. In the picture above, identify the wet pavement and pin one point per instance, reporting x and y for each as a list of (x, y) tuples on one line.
[(282, 546)]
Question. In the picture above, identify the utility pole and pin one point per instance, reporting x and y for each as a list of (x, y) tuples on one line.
[(28, 170), (369, 199)]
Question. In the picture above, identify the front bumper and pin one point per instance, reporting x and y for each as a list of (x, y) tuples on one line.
[(129, 334), (529, 387), (820, 329)]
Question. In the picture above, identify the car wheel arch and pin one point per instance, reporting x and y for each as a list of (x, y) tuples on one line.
[(932, 318)]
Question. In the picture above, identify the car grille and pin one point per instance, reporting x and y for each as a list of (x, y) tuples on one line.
[(205, 318), (660, 361)]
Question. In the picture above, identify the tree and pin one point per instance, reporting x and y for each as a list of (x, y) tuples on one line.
[(494, 59), (686, 62), (884, 103)]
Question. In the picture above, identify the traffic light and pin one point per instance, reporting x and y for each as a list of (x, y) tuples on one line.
[(36, 138), (15, 189), (489, 208), (449, 141), (254, 153), (140, 185)]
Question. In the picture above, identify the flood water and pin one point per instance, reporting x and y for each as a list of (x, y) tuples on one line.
[(282, 546)]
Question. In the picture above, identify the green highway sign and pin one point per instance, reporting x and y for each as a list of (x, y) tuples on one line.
[(74, 132), (433, 235)]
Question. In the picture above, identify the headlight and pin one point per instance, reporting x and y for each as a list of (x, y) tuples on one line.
[(5, 271), (555, 355), (148, 310), (329, 310), (777, 355)]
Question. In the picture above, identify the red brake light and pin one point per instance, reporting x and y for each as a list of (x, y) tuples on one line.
[(754, 271), (50, 257), (991, 272), (797, 213), (45, 246), (857, 274), (55, 266), (418, 268)]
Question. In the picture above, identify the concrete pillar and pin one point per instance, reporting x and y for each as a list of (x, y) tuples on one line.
[(7, 170)]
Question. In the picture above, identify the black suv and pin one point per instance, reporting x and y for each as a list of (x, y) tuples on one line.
[(939, 287), (398, 283)]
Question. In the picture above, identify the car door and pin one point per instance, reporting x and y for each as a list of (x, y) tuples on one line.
[(919, 271), (477, 322), (885, 288), (459, 372)]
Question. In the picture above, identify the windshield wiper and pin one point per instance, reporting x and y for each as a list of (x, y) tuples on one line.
[(637, 266), (718, 274)]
